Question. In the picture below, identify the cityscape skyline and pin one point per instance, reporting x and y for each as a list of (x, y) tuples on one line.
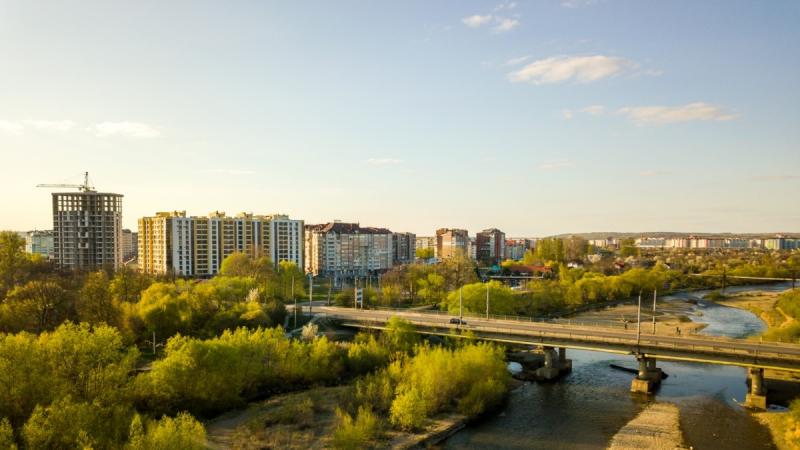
[(536, 118)]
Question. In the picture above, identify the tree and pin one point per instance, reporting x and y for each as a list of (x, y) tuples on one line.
[(95, 303), (290, 275), (400, 335), (425, 253), (181, 433), (13, 261), (501, 299), (237, 265), (36, 306), (627, 247)]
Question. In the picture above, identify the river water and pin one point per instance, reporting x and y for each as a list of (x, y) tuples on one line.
[(584, 409)]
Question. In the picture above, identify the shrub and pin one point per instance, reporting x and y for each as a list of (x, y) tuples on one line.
[(356, 434)]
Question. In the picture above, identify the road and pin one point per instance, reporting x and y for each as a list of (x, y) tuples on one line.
[(708, 349)]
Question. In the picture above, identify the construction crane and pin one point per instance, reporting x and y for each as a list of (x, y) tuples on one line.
[(85, 187)]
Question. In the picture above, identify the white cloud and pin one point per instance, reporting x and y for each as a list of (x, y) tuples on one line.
[(384, 161), (505, 24), (577, 3), (9, 127), (594, 110), (556, 165), (583, 69), (517, 61), (125, 129), (50, 125), (671, 114), (477, 20), (567, 114), (506, 6)]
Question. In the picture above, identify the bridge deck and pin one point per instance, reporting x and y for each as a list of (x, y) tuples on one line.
[(698, 348)]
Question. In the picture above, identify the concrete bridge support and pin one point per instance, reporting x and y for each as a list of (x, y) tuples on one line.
[(757, 397), (649, 376), (555, 363)]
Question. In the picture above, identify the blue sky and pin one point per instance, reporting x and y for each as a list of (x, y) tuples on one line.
[(536, 117)]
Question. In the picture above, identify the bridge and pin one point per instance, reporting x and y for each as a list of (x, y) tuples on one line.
[(646, 347)]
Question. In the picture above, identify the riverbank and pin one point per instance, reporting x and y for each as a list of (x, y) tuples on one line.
[(656, 427), (672, 316), (307, 420), (781, 427)]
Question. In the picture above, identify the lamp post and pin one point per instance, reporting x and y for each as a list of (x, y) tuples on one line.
[(310, 291), (487, 299), (655, 295), (295, 305), (460, 304), (639, 319)]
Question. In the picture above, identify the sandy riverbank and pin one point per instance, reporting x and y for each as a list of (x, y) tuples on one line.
[(657, 427), (672, 316)]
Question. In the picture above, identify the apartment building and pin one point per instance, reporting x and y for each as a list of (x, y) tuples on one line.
[(346, 250), (425, 242), (451, 242), (490, 245), (516, 248), (404, 248), (39, 243), (171, 242), (130, 242), (87, 230)]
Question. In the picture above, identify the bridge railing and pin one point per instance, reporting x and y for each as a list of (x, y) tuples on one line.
[(727, 347), (515, 318)]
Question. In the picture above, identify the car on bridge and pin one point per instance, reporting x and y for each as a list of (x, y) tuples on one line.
[(458, 321)]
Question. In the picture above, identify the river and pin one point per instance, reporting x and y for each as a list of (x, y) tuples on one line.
[(584, 409)]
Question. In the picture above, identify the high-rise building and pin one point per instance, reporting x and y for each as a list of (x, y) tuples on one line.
[(196, 246), (345, 250), (404, 247), (516, 248), (87, 230), (39, 243), (426, 242), (450, 242), (491, 245), (130, 241)]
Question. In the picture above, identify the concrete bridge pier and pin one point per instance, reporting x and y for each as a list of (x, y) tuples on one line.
[(555, 363), (649, 376), (757, 397)]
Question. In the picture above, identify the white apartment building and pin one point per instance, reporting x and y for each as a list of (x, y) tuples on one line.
[(345, 250), (196, 246)]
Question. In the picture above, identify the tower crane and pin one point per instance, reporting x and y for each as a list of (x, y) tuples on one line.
[(85, 187)]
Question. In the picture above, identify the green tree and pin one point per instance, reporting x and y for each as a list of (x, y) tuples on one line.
[(36, 306), (400, 335), (95, 304), (290, 275), (13, 261), (424, 253), (181, 433), (7, 435), (501, 299)]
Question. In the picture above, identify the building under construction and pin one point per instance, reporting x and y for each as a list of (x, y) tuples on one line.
[(87, 228)]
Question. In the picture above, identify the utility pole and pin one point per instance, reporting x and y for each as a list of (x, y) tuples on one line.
[(330, 288), (154, 342), (639, 319), (655, 295), (461, 303), (310, 291), (295, 305), (487, 299)]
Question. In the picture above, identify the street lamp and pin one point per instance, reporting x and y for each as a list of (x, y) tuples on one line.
[(487, 299)]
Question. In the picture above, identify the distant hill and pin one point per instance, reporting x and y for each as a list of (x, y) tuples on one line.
[(668, 234)]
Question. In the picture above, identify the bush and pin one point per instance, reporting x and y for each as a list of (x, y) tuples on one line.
[(356, 434), (181, 433)]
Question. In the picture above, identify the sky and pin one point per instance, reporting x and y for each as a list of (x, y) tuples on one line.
[(535, 117)]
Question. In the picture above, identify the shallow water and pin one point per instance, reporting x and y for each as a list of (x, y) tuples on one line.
[(586, 408)]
